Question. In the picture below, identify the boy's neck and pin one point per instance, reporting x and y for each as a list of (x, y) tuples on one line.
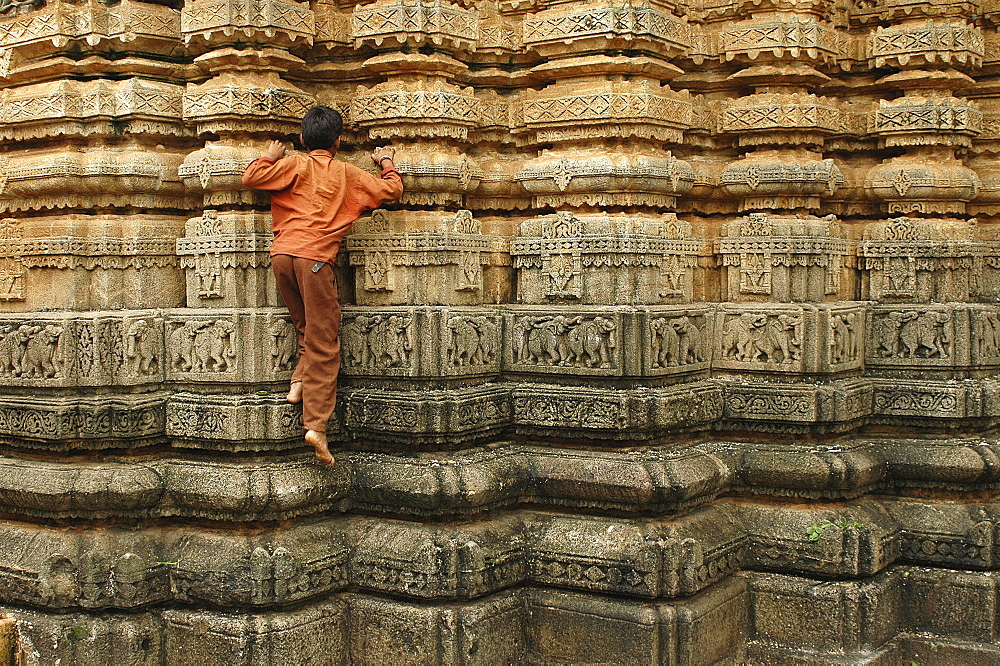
[(332, 149)]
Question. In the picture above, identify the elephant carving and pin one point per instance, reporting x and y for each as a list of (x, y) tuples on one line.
[(41, 358), (181, 345), (689, 348), (390, 341), (737, 338), (142, 347), (354, 341), (885, 333), (284, 344), (665, 343), (592, 342), (11, 351), (213, 347), (541, 342), (471, 341), (780, 335), (923, 335)]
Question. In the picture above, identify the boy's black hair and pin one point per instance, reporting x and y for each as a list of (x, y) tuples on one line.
[(321, 128)]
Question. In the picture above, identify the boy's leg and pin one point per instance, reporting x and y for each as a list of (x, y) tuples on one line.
[(288, 287), (320, 350), (321, 342)]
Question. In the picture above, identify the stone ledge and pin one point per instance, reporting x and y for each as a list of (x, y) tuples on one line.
[(841, 469), (404, 346), (661, 479), (64, 423), (648, 558), (941, 533), (245, 491), (953, 464), (629, 414), (461, 416), (112, 568), (755, 618), (234, 422), (457, 416), (856, 538)]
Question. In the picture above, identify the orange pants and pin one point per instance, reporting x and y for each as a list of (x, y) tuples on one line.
[(311, 298)]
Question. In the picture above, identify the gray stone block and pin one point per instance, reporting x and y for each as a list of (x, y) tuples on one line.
[(69, 423), (421, 561), (858, 538), (575, 628), (484, 632), (458, 416), (277, 566), (135, 639), (956, 605), (313, 636), (843, 618), (957, 536), (836, 470), (234, 422)]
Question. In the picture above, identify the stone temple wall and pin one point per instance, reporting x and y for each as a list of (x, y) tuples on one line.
[(680, 348)]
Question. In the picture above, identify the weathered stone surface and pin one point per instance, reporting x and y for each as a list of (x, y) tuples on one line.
[(858, 538), (65, 423), (313, 635), (808, 621), (704, 629), (679, 347), (488, 631)]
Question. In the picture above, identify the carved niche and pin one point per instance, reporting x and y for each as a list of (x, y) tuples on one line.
[(225, 260), (605, 259), (788, 259), (910, 260), (419, 257)]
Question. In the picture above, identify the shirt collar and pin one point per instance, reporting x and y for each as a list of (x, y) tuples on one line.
[(320, 151)]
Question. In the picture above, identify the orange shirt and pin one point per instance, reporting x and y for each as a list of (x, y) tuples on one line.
[(316, 199)]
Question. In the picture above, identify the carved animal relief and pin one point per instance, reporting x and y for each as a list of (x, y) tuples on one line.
[(566, 341), (201, 346), (374, 343), (760, 338)]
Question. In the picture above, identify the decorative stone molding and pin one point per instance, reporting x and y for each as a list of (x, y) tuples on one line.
[(438, 259), (602, 179), (920, 261), (797, 37), (908, 120), (766, 180), (225, 257), (91, 107), (274, 20), (926, 43), (93, 179), (617, 109), (606, 259), (442, 23), (143, 25), (594, 26), (783, 258)]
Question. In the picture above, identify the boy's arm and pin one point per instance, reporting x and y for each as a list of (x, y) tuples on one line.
[(270, 171), (373, 192)]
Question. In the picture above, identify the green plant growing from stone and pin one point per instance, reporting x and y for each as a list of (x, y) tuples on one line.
[(815, 531), (78, 631)]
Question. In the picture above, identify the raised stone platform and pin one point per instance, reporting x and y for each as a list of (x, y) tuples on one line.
[(680, 348)]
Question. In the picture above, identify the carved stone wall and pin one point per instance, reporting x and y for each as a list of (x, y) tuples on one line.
[(681, 346)]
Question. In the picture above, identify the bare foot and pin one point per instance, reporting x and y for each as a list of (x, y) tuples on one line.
[(317, 440), (295, 393)]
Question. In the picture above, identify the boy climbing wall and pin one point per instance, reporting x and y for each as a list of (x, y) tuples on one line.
[(314, 201)]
